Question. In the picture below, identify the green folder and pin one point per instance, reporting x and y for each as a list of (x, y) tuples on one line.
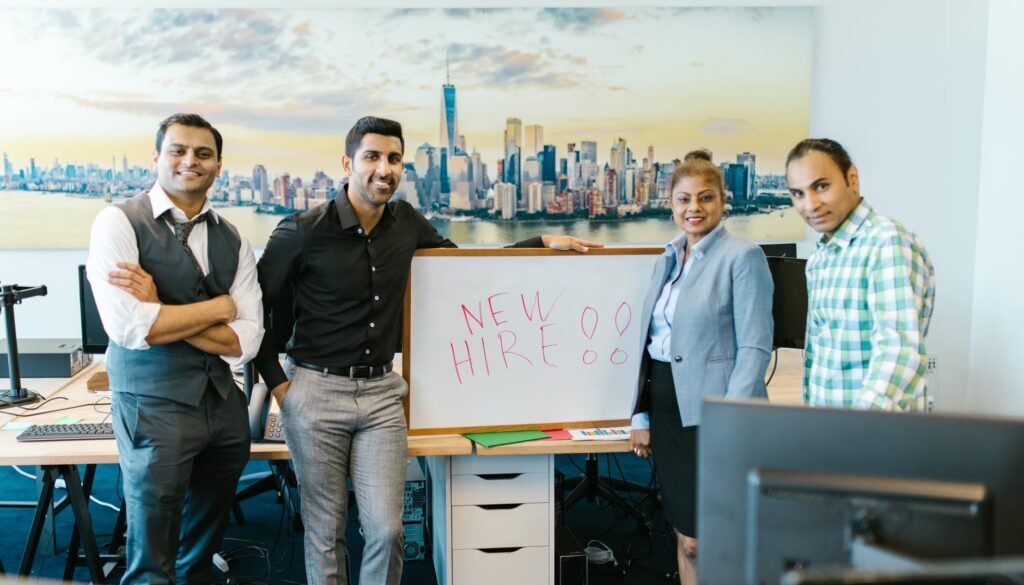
[(505, 438)]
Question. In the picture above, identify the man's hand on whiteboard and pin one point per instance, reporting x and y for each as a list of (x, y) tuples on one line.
[(640, 442), (569, 243)]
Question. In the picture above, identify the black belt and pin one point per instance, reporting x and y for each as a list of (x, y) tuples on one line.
[(361, 372)]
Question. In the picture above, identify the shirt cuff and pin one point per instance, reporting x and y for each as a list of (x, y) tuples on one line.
[(141, 320), (249, 337), (534, 242), (641, 421)]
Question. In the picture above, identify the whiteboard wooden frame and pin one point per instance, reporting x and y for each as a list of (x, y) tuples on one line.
[(506, 252)]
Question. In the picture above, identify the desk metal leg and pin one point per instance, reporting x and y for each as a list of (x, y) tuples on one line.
[(117, 539), (48, 475), (282, 480), (73, 546), (48, 537), (83, 520), (591, 485)]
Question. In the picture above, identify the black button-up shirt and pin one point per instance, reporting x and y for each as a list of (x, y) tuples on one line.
[(348, 286)]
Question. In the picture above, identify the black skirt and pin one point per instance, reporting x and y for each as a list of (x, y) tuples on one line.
[(675, 452)]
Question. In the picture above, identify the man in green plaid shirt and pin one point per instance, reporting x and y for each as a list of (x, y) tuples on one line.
[(871, 289)]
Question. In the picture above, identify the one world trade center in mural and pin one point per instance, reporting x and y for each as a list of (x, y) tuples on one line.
[(449, 130)]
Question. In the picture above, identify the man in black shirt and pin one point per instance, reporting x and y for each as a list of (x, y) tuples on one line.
[(348, 262)]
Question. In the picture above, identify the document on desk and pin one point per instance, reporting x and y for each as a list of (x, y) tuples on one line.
[(505, 438), (600, 434), (17, 426)]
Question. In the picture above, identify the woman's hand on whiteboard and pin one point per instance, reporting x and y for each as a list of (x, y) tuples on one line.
[(569, 243), (640, 442)]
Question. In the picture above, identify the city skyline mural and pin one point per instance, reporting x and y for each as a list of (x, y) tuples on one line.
[(517, 121)]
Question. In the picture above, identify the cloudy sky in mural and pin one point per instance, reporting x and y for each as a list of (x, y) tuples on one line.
[(283, 85)]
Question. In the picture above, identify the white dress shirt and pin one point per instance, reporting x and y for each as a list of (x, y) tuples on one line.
[(128, 320)]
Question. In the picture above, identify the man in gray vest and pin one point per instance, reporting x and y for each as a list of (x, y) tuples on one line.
[(176, 288)]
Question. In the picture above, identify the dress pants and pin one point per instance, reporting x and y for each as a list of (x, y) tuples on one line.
[(338, 427), (181, 466)]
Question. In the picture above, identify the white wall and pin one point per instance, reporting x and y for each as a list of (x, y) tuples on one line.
[(998, 316), (901, 85), (56, 314)]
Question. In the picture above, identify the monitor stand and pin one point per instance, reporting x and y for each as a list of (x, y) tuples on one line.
[(10, 296)]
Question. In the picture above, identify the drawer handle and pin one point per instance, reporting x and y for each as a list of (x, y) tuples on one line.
[(500, 551), (498, 476), (499, 506)]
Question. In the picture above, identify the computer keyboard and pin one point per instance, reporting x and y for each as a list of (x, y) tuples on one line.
[(70, 432)]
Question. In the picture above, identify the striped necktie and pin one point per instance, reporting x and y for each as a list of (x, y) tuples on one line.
[(182, 231)]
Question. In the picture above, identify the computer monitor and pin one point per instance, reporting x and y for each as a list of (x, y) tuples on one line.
[(780, 249), (782, 487), (94, 337), (789, 305)]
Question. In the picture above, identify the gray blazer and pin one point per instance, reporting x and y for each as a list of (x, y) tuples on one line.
[(721, 330)]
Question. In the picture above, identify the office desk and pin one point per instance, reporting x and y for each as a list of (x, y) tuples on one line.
[(523, 477), (60, 460)]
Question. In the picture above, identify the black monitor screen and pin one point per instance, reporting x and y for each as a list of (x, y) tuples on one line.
[(783, 487), (785, 249), (789, 307), (94, 337)]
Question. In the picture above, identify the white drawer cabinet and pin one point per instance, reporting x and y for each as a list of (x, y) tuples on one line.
[(512, 488), (524, 566), (471, 464), (479, 527), (493, 519)]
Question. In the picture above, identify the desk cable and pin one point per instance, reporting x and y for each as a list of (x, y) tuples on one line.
[(60, 485), (599, 553), (99, 402), (252, 550), (775, 352)]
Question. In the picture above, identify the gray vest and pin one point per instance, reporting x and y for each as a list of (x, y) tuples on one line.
[(175, 371)]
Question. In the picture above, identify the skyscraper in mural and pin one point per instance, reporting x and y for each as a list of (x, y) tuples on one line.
[(534, 143), (260, 186), (748, 160), (449, 128), (513, 156)]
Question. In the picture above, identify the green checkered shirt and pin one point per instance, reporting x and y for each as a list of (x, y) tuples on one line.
[(871, 290)]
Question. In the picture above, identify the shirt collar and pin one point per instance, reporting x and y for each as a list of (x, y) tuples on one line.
[(678, 244), (847, 230), (161, 203), (347, 215)]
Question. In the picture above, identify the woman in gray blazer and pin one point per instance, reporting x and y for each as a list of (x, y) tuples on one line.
[(708, 319)]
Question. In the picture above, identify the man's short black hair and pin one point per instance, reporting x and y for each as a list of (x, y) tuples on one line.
[(193, 120), (371, 125), (833, 149)]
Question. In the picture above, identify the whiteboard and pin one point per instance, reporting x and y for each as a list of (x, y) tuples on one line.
[(516, 339)]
